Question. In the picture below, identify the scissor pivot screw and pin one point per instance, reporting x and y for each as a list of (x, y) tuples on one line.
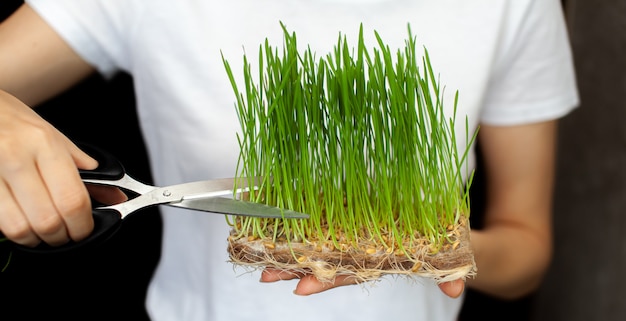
[(167, 193)]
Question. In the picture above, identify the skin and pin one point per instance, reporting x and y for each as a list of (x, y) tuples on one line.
[(43, 199), (514, 249), (308, 284)]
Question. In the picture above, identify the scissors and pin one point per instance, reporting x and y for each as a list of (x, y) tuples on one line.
[(207, 196)]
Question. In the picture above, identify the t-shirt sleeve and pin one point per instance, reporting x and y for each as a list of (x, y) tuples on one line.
[(534, 78), (98, 31)]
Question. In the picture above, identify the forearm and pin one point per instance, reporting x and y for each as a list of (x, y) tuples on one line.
[(514, 247), (35, 63), (511, 260)]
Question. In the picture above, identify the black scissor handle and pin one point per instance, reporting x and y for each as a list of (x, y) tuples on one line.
[(109, 168)]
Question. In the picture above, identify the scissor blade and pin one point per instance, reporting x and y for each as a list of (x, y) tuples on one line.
[(199, 189), (236, 207), (175, 193)]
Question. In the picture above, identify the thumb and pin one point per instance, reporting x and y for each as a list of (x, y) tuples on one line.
[(453, 289)]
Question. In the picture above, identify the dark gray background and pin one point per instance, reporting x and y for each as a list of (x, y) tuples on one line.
[(585, 281)]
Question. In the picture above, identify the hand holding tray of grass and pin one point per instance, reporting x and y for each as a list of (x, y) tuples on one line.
[(359, 140)]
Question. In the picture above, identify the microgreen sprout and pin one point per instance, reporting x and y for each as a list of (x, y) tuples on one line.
[(357, 138)]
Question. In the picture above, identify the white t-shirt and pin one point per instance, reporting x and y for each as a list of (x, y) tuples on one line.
[(509, 60)]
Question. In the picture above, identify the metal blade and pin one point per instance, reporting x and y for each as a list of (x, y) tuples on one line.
[(214, 187), (192, 190), (177, 193), (236, 207)]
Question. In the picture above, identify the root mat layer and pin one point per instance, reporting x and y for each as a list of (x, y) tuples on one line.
[(366, 262)]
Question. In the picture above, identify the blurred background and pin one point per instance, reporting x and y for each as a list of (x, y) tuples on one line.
[(584, 280)]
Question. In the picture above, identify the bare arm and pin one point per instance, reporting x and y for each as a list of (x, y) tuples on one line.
[(41, 194), (513, 250), (35, 63)]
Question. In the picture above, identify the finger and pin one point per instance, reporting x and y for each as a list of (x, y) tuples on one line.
[(67, 192), (106, 194), (273, 275), (309, 284), (31, 195), (13, 222), (453, 289), (80, 158)]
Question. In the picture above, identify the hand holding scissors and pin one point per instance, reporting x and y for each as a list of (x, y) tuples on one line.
[(207, 196)]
